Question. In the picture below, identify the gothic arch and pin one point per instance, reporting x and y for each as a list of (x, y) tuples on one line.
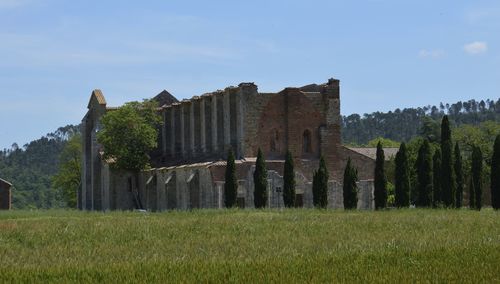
[(307, 142)]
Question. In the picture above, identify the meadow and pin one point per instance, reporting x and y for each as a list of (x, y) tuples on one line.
[(297, 245)]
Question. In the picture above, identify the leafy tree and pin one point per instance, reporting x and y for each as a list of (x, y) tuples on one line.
[(384, 141), (289, 181), (350, 189), (436, 182), (129, 133), (413, 148), (380, 179), (320, 185), (481, 135), (424, 175), (260, 181), (459, 177), (476, 173), (230, 183), (402, 178), (430, 129), (447, 178), (495, 175), (68, 179)]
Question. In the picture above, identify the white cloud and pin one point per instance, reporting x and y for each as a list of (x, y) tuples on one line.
[(482, 14), (476, 47), (432, 53)]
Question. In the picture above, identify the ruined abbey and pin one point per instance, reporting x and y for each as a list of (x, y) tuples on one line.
[(196, 134)]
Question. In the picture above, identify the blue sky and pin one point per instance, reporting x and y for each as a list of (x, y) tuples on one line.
[(387, 54)]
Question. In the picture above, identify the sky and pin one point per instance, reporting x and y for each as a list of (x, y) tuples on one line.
[(387, 54)]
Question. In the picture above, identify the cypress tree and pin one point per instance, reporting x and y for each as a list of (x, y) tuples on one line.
[(447, 179), (231, 184), (477, 175), (289, 181), (424, 175), (436, 181), (495, 175), (350, 189), (380, 179), (459, 177), (402, 178), (260, 181), (472, 199), (320, 185)]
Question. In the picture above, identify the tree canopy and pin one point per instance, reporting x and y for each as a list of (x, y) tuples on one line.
[(68, 179), (380, 190), (129, 133), (320, 185), (230, 181), (349, 186), (402, 178), (495, 174), (405, 124), (30, 169), (424, 173), (260, 181)]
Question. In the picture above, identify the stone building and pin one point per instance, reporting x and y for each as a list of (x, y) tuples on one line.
[(5, 195), (189, 163)]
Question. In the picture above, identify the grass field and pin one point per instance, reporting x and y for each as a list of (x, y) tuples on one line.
[(251, 246)]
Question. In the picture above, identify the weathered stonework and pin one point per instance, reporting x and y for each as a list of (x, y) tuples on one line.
[(189, 163)]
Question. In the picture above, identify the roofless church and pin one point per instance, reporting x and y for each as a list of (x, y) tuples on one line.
[(196, 134)]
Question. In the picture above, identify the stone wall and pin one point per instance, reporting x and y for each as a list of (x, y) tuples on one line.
[(196, 135), (201, 185), (5, 195)]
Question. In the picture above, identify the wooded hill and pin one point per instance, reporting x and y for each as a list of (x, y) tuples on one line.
[(403, 125), (30, 169)]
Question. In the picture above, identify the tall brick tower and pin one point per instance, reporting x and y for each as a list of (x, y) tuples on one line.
[(330, 139)]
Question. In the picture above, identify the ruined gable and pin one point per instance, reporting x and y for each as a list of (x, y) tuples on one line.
[(164, 98)]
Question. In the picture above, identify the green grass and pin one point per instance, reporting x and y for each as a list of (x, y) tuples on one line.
[(251, 246)]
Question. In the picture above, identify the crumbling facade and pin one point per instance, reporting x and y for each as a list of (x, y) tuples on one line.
[(196, 135), (5, 195)]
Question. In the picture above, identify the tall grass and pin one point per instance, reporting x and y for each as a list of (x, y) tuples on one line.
[(251, 246)]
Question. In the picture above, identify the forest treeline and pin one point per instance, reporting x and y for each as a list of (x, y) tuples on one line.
[(403, 125), (31, 168)]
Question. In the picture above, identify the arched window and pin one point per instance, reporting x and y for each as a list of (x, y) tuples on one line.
[(274, 146), (306, 142)]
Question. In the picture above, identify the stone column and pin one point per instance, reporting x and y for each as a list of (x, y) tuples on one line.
[(239, 125), (191, 130), (202, 126), (214, 123), (172, 132), (227, 125), (82, 197), (183, 126), (93, 169), (164, 133), (220, 194)]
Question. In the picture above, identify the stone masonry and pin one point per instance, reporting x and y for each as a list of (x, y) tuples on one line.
[(189, 163)]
